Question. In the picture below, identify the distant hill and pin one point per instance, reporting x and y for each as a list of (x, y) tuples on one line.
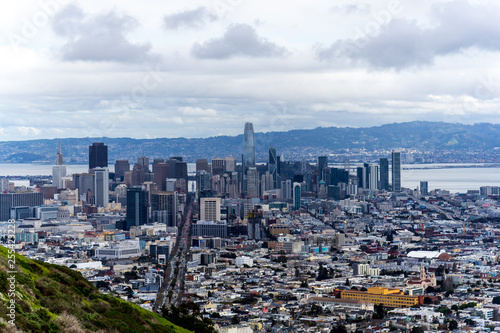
[(52, 298), (294, 145)]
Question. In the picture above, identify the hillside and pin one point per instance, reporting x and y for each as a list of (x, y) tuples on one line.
[(51, 298), (294, 144)]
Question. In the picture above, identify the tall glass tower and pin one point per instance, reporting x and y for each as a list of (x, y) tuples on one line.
[(396, 170), (248, 146)]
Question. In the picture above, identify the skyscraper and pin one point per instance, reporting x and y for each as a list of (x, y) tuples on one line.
[(396, 170), (98, 155), (58, 170), (424, 187), (144, 161), (161, 175), (296, 196), (249, 146), (59, 155), (137, 207), (322, 165), (252, 183), (121, 166), (101, 187), (272, 166), (384, 174)]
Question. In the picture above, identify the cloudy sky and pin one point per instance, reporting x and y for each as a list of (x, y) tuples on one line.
[(154, 68)]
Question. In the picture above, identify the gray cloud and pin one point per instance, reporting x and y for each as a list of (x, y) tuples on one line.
[(238, 40), (194, 18), (403, 43), (98, 38)]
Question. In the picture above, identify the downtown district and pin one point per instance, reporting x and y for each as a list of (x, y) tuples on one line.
[(272, 247)]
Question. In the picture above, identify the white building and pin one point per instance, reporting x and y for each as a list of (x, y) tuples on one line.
[(125, 249), (101, 187), (244, 260)]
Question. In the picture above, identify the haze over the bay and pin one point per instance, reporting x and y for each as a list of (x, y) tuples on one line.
[(148, 68)]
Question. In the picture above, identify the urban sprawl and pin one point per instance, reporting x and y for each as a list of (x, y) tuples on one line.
[(274, 247)]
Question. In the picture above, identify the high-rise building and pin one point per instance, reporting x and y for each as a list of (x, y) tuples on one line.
[(144, 161), (373, 177), (164, 207), (424, 187), (101, 187), (137, 175), (249, 146), (160, 176), (137, 207), (217, 166), (58, 170), (272, 166), (210, 209), (286, 189), (121, 166), (230, 164), (98, 155), (202, 164), (322, 165), (85, 184), (396, 170), (297, 196), (59, 160), (9, 200), (384, 174), (202, 181), (252, 183)]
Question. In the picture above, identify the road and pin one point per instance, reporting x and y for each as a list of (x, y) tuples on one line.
[(173, 284)]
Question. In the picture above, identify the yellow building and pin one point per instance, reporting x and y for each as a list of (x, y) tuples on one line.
[(392, 298)]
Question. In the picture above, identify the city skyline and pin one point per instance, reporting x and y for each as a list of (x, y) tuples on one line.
[(94, 69)]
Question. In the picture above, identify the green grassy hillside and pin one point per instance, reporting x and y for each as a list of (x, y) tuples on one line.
[(52, 298)]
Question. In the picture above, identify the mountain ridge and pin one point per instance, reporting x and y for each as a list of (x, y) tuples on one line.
[(294, 144)]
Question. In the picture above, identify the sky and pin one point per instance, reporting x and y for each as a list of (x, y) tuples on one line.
[(148, 69)]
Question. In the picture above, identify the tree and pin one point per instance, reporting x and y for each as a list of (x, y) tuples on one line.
[(470, 322), (379, 312), (453, 325), (339, 329), (347, 282), (496, 300), (235, 320), (417, 329)]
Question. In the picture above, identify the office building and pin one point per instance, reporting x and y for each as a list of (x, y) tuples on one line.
[(210, 228), (58, 170), (137, 207), (248, 146), (121, 166), (202, 181), (101, 187), (9, 200), (230, 164), (272, 166), (286, 189), (297, 196), (384, 174), (161, 172), (164, 207), (217, 166), (202, 164), (322, 166), (424, 188), (144, 161), (391, 298), (396, 170), (138, 175), (252, 183), (210, 209), (98, 155), (373, 177), (84, 183)]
